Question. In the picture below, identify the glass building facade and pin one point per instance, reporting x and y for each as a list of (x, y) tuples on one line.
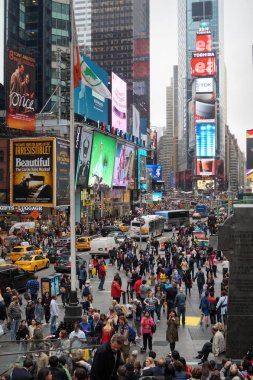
[(188, 26)]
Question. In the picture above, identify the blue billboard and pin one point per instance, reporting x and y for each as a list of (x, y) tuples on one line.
[(205, 140), (154, 172), (142, 171), (91, 96)]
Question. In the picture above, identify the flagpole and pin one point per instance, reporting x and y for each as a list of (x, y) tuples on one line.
[(73, 311)]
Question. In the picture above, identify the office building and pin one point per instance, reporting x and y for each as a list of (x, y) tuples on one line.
[(83, 25), (199, 17), (120, 43)]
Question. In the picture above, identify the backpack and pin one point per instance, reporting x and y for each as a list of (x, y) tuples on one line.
[(86, 291), (131, 334), (212, 305)]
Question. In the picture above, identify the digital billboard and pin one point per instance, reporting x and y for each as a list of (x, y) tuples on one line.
[(20, 82), (249, 143), (204, 42), (157, 197), (119, 103), (141, 48), (205, 184), (102, 162), (124, 165), (136, 122), (205, 139), (2, 44), (91, 94), (62, 173), (204, 85), (203, 66), (205, 167), (220, 169), (154, 172), (83, 158), (141, 70), (32, 176), (204, 111), (142, 171)]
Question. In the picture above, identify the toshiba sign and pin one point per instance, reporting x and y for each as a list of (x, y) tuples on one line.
[(204, 85)]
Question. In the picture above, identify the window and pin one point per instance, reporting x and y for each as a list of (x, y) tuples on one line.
[(1, 156)]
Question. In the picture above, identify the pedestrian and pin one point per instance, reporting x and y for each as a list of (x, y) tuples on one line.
[(187, 279), (144, 289), (57, 372), (150, 303), (107, 359), (137, 315), (46, 300), (54, 313), (204, 307), (77, 337), (23, 373), (172, 330), (147, 330), (22, 337), (82, 277), (180, 303), (14, 314), (124, 331), (44, 374), (101, 276), (200, 277), (107, 331), (160, 296), (212, 307), (33, 287), (39, 310), (30, 311), (222, 306), (116, 290), (3, 315)]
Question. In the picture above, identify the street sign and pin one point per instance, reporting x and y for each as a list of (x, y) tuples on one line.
[(35, 214)]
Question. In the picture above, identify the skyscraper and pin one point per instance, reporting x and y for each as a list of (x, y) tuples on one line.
[(120, 43), (83, 25), (192, 16)]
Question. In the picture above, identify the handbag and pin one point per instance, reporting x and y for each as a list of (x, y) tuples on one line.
[(153, 328)]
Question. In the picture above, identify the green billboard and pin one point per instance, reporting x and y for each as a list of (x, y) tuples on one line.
[(102, 162)]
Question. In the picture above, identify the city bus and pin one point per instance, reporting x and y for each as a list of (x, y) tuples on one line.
[(175, 218), (149, 225)]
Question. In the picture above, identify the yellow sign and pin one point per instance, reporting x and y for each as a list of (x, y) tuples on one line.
[(151, 205)]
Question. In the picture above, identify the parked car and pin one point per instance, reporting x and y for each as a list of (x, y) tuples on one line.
[(83, 243), (63, 265), (107, 229), (55, 253), (32, 263), (119, 236), (64, 242), (23, 250), (14, 277)]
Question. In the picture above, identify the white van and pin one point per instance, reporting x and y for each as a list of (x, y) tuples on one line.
[(101, 247)]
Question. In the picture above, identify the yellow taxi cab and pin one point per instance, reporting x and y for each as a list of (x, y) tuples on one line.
[(21, 250), (123, 227), (83, 243), (32, 263)]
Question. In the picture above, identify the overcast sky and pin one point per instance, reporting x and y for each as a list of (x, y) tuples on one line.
[(238, 28)]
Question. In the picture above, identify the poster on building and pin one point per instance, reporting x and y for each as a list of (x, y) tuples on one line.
[(205, 139), (154, 172), (119, 178), (102, 162), (83, 160), (62, 173), (205, 167), (20, 84), (32, 176), (119, 103), (142, 169)]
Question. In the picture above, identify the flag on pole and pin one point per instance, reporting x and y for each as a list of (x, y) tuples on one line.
[(77, 61)]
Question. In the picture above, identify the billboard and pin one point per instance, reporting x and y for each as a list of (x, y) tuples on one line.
[(154, 172), (220, 169), (62, 173), (124, 166), (141, 48), (83, 158), (20, 80), (205, 184), (203, 66), (157, 197), (89, 101), (203, 42), (249, 143), (205, 167), (2, 44), (32, 177), (141, 70), (204, 111), (136, 122), (142, 171), (102, 162), (204, 85), (119, 103), (205, 139)]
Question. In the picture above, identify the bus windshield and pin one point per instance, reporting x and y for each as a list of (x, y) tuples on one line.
[(175, 218)]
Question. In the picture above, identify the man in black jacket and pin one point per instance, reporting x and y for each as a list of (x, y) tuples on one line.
[(107, 359), (57, 372), (23, 373)]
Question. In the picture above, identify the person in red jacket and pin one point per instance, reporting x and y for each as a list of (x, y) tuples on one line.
[(137, 285), (101, 276), (116, 290)]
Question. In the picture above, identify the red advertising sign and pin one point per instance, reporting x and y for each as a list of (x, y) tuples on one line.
[(203, 42), (203, 66)]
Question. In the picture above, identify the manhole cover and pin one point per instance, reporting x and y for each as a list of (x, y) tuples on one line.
[(160, 343), (199, 333)]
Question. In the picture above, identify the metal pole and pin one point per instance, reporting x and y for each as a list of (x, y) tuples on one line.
[(140, 216)]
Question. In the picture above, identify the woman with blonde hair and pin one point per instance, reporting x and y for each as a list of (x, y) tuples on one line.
[(107, 331), (149, 363)]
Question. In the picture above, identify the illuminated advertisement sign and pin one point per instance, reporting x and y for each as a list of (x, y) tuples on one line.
[(204, 42), (141, 48), (220, 169), (2, 17), (154, 172), (205, 139), (124, 166), (32, 172), (142, 172), (249, 143), (157, 197), (83, 158), (204, 111), (205, 184), (91, 94), (203, 66), (204, 85), (102, 162), (141, 70), (62, 172), (119, 103), (205, 167), (20, 72)]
